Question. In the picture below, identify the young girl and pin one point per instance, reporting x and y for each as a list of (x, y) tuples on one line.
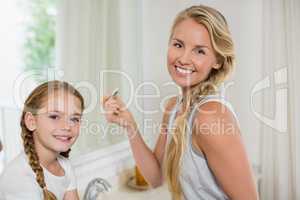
[(50, 125), (204, 158)]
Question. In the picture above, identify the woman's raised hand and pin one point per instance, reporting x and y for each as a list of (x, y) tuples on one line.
[(116, 112)]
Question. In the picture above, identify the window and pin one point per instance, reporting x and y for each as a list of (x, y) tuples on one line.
[(27, 45)]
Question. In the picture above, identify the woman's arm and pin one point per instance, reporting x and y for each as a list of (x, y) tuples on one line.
[(148, 161), (218, 137), (71, 195)]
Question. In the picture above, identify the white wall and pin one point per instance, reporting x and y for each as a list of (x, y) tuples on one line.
[(244, 18)]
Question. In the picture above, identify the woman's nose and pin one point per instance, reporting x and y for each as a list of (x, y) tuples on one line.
[(185, 58)]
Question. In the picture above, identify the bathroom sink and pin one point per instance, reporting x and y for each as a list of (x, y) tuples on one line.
[(126, 193)]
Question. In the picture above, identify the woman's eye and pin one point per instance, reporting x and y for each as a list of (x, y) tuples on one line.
[(200, 51), (177, 45)]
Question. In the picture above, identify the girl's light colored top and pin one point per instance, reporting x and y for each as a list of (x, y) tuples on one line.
[(17, 182)]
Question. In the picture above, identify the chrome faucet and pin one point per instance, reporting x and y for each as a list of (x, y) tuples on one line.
[(95, 188)]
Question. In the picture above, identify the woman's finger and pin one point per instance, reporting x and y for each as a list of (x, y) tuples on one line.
[(116, 112), (112, 107), (104, 99), (112, 111), (121, 103)]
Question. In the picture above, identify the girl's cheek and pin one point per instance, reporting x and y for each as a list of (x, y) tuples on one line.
[(76, 129)]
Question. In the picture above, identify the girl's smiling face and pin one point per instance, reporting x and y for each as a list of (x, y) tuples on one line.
[(191, 56), (57, 123)]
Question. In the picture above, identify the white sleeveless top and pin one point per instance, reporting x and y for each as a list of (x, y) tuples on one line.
[(196, 179)]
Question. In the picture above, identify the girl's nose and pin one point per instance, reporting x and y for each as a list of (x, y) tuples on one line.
[(66, 124)]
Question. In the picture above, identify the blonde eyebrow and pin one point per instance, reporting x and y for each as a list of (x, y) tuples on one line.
[(197, 46), (75, 113)]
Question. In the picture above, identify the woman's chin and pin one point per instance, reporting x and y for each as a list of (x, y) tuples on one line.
[(184, 84)]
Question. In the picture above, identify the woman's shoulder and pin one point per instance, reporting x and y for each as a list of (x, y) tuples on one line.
[(214, 106), (214, 98), (215, 117)]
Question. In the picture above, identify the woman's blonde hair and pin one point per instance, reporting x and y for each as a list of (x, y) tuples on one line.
[(223, 46), (32, 104)]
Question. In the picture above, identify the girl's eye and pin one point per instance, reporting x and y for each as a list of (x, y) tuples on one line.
[(177, 45), (75, 119), (54, 117)]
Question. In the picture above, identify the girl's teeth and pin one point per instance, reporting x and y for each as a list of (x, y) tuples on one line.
[(184, 71), (62, 138)]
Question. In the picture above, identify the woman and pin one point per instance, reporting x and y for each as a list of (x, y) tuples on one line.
[(204, 157)]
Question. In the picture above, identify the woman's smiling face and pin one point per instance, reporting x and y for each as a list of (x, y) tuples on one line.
[(190, 54)]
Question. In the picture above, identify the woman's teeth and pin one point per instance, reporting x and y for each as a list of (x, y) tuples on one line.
[(183, 71)]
